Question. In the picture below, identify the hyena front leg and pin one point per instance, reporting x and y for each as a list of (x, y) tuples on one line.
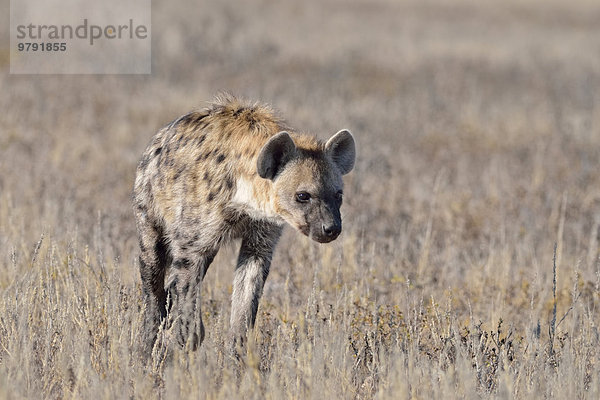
[(251, 273), (184, 289)]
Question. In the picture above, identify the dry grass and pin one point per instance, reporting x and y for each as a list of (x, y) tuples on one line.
[(478, 126)]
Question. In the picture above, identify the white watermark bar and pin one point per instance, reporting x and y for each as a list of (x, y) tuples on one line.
[(80, 37)]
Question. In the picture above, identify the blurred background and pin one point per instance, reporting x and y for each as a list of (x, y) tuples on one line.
[(478, 129)]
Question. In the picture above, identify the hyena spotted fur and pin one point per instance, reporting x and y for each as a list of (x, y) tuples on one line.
[(233, 170)]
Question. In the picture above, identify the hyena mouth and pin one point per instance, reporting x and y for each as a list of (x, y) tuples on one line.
[(319, 237), (323, 238)]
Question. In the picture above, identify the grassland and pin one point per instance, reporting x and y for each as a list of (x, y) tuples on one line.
[(478, 126)]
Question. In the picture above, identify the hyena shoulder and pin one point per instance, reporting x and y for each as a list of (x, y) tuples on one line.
[(207, 158)]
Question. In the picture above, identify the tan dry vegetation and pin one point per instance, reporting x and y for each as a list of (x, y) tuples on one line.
[(478, 126)]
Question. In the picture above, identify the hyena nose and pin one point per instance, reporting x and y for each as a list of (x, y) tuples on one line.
[(332, 231)]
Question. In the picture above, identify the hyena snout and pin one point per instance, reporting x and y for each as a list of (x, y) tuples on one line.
[(327, 229), (332, 231), (326, 233)]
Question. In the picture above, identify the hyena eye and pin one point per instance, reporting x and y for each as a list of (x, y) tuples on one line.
[(302, 197)]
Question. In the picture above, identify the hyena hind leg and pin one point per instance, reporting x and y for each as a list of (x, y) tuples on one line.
[(184, 285), (154, 259)]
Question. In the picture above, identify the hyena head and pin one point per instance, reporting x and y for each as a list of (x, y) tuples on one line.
[(308, 182)]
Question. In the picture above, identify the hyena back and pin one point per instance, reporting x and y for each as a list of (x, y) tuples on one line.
[(229, 171)]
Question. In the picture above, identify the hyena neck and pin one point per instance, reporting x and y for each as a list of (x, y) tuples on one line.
[(254, 197)]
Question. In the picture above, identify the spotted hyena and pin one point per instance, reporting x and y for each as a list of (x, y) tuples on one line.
[(233, 170)]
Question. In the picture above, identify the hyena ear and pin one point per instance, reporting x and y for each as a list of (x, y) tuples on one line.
[(342, 150), (275, 154)]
